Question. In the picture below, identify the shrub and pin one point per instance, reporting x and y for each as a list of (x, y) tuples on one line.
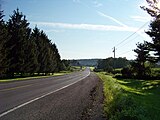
[(127, 72)]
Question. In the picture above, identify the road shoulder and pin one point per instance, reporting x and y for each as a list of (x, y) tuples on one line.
[(94, 111)]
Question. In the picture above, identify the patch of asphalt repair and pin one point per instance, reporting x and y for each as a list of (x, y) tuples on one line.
[(81, 101)]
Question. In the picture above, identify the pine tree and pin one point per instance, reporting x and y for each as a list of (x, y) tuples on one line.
[(57, 58), (153, 8), (25, 51), (142, 58), (19, 30), (3, 39), (154, 31), (31, 62), (44, 52)]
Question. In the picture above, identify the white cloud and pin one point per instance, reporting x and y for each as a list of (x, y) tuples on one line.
[(85, 26), (137, 30), (140, 18)]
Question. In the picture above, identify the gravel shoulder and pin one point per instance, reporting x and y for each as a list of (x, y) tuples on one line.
[(95, 109), (81, 101)]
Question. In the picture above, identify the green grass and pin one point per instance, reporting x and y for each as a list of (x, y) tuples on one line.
[(157, 69), (92, 68), (131, 99), (35, 77), (77, 68), (146, 92)]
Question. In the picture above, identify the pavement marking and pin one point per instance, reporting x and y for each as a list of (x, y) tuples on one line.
[(13, 88), (26, 103)]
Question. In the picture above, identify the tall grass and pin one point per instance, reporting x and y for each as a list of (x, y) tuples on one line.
[(131, 99)]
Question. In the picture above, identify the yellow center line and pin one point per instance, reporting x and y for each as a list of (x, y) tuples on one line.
[(14, 88)]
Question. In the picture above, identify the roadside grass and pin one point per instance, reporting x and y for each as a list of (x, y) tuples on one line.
[(34, 77), (92, 68), (130, 99), (41, 75), (75, 68)]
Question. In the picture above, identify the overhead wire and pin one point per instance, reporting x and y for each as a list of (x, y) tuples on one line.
[(130, 40), (125, 52), (123, 25), (132, 34)]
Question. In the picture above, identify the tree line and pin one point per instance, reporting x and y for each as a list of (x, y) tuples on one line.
[(109, 64), (25, 50)]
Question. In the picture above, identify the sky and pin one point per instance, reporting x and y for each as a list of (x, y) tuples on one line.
[(87, 29)]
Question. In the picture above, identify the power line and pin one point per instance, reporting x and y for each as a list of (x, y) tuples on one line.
[(125, 52), (132, 34), (129, 37), (129, 41)]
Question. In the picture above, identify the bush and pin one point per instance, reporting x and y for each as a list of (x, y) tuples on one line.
[(127, 72), (98, 70)]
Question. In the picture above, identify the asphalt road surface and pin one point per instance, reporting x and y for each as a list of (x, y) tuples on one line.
[(54, 98)]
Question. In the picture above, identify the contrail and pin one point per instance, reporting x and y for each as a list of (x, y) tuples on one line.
[(111, 18), (120, 23), (115, 20)]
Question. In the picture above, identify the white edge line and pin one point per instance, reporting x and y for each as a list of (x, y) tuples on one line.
[(26, 103)]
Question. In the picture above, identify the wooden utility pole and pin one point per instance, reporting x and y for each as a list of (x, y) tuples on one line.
[(114, 51)]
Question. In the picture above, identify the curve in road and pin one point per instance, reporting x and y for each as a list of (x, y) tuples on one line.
[(15, 95)]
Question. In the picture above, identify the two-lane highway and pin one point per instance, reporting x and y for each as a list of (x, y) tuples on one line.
[(15, 95)]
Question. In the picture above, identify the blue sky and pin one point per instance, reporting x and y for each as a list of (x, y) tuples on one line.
[(86, 28)]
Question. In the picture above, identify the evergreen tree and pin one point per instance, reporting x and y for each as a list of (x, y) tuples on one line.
[(47, 56), (57, 58), (19, 30), (154, 31), (31, 62), (143, 56), (23, 51), (3, 39), (39, 47), (152, 8), (66, 64)]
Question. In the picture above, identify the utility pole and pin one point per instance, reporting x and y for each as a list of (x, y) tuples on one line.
[(114, 51)]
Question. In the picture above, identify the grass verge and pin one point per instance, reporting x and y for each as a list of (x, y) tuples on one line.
[(35, 77), (128, 99)]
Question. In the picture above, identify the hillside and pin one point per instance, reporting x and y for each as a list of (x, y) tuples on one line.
[(84, 62)]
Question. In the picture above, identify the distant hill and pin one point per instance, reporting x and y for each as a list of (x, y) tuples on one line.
[(84, 62)]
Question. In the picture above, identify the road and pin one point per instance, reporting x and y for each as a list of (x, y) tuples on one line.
[(55, 98)]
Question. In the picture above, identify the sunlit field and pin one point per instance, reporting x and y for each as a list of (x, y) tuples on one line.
[(130, 98)]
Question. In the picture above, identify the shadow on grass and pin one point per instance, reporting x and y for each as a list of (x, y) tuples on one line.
[(146, 92), (145, 87)]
